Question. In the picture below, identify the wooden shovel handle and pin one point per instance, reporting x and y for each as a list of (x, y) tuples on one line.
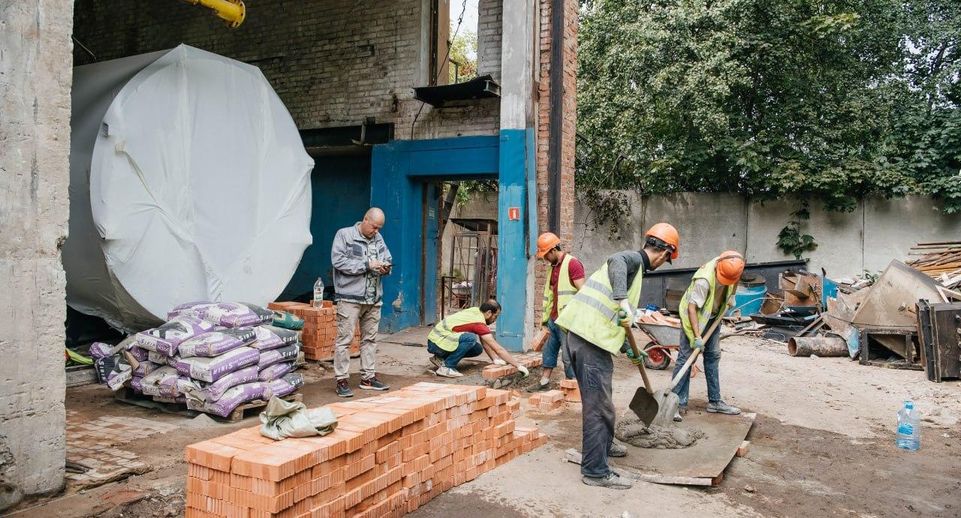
[(637, 354)]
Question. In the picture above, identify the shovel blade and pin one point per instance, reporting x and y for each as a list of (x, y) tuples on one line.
[(667, 403), (644, 405)]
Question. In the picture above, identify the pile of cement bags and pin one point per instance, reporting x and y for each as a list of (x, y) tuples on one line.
[(212, 357)]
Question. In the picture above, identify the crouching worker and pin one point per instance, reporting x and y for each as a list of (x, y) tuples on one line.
[(467, 334)]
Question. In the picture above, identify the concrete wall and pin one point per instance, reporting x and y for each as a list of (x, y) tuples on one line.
[(848, 243), (333, 63), (35, 79)]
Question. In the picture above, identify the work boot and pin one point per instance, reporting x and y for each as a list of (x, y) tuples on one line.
[(611, 481), (372, 383), (343, 388), (617, 450), (539, 387), (720, 407), (448, 372), (437, 361)]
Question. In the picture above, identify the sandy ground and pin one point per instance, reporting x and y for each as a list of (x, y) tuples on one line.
[(822, 445)]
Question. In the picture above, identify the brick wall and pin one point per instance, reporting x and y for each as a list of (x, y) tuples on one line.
[(333, 63), (490, 18), (569, 106)]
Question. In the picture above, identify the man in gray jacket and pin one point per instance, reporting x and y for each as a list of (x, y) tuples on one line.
[(360, 259)]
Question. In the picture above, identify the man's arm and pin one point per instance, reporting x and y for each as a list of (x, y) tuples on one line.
[(578, 283), (620, 267), (492, 348), (341, 259), (388, 259), (692, 317), (576, 273)]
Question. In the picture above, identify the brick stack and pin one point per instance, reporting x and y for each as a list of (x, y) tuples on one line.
[(572, 394), (547, 401), (493, 372), (320, 329), (540, 339), (388, 456)]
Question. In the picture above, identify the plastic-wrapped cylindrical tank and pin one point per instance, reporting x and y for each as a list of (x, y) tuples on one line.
[(188, 182)]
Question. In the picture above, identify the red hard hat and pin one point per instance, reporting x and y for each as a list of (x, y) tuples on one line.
[(730, 266), (546, 242), (668, 234)]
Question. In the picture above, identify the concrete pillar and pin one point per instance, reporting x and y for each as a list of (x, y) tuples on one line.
[(517, 192), (35, 78)]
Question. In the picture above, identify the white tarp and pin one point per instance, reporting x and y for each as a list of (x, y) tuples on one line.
[(188, 182)]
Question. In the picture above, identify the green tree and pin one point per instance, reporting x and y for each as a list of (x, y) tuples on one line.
[(463, 53)]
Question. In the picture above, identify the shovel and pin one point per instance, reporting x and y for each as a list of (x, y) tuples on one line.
[(643, 403)]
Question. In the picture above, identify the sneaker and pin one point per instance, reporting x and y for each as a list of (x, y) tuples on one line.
[(448, 372), (437, 361), (617, 450), (679, 414), (539, 387), (720, 407), (343, 388), (372, 383), (611, 481)]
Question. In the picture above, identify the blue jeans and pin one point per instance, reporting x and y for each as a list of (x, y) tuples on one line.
[(556, 344), (468, 346), (712, 358)]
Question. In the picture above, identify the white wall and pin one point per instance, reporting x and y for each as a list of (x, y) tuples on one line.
[(868, 238)]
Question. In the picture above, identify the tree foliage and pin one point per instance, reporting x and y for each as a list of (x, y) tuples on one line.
[(825, 99), (463, 54)]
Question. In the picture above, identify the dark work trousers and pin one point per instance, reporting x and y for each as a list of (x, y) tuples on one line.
[(594, 368)]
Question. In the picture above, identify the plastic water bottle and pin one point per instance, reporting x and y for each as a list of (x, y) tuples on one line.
[(909, 427), (318, 293)]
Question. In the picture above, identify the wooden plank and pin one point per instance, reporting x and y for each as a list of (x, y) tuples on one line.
[(678, 481), (238, 413)]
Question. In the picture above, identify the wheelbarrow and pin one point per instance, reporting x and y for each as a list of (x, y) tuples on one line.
[(663, 347)]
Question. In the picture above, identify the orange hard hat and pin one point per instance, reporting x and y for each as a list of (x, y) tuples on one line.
[(730, 266), (668, 234), (546, 242)]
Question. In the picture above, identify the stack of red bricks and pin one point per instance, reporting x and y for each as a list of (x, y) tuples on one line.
[(572, 394), (320, 329), (493, 372), (547, 401), (388, 456)]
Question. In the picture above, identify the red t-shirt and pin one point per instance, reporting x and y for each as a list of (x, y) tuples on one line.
[(575, 271), (478, 329)]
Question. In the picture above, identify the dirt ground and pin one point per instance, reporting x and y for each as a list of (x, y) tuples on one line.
[(822, 445)]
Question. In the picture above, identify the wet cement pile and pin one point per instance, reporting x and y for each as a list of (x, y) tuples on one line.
[(631, 430)]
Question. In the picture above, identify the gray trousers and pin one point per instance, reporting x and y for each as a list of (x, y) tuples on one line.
[(348, 315), (594, 369)]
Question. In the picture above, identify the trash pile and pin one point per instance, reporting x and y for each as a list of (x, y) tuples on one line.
[(211, 357), (907, 317)]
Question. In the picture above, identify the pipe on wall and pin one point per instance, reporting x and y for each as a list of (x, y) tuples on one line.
[(556, 118), (232, 12)]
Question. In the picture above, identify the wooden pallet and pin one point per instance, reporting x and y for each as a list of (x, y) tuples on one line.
[(239, 413), (128, 396)]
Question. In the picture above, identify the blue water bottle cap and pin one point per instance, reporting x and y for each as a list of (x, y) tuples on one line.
[(909, 405)]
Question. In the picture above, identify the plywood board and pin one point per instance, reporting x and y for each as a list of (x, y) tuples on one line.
[(700, 465)]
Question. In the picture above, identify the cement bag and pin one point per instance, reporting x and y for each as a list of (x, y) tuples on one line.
[(103, 350), (236, 396), (287, 353), (286, 385), (270, 337), (161, 382), (158, 358), (204, 392), (282, 419), (212, 369), (138, 353), (166, 338), (275, 371), (215, 343), (188, 181), (146, 367), (226, 314)]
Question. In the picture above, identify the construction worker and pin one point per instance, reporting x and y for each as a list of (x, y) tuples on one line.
[(593, 320), (467, 334), (565, 275), (360, 258), (700, 306)]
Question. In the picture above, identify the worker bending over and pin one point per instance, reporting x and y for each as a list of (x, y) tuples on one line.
[(565, 275), (701, 305), (467, 334), (593, 320)]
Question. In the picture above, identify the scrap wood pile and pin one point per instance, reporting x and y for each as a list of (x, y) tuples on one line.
[(387, 456), (940, 261), (210, 357)]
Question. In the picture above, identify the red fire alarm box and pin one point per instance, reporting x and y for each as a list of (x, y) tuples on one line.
[(514, 213)]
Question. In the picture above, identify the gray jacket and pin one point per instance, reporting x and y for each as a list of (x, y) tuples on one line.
[(349, 256)]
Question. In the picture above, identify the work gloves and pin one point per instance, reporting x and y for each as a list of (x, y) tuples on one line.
[(626, 313), (698, 343), (636, 360), (523, 370)]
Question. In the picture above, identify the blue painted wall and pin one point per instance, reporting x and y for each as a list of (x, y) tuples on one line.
[(340, 187)]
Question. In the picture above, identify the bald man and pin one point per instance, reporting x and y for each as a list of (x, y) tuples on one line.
[(360, 259)]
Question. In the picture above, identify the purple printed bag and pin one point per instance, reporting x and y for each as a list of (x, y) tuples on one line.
[(276, 371), (215, 343), (166, 338), (286, 385), (288, 353), (212, 369)]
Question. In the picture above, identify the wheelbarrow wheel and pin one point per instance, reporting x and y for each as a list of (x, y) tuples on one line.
[(657, 358)]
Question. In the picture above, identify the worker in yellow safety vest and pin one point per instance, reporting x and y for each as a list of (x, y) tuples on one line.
[(705, 300), (466, 334), (565, 275), (594, 321)]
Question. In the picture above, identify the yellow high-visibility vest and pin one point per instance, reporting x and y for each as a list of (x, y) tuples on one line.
[(443, 334), (565, 290), (592, 313), (707, 272)]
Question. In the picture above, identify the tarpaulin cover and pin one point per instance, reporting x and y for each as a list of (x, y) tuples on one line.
[(188, 181)]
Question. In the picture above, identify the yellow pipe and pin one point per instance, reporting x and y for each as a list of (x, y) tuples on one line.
[(232, 12)]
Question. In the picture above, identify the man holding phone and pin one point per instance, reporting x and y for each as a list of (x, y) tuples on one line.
[(360, 258)]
